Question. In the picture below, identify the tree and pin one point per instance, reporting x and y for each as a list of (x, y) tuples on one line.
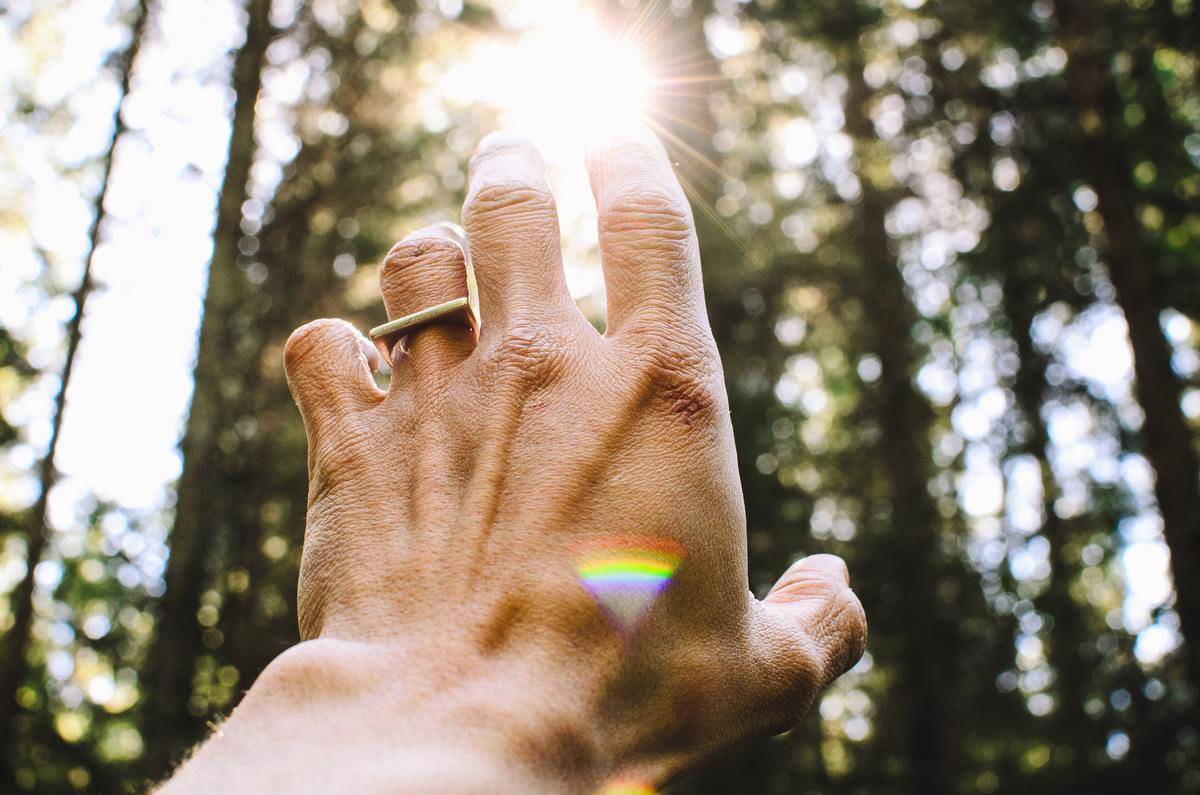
[(198, 513), (911, 216), (1106, 165), (13, 664)]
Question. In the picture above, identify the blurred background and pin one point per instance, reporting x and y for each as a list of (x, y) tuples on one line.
[(951, 250)]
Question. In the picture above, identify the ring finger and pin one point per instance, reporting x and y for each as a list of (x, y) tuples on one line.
[(425, 270)]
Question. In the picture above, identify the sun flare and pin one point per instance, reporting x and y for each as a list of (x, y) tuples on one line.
[(563, 81)]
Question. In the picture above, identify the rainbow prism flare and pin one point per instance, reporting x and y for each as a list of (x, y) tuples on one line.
[(627, 788), (626, 574)]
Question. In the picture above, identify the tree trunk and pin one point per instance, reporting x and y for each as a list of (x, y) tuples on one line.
[(1168, 440), (1065, 640), (13, 663), (926, 669), (178, 643)]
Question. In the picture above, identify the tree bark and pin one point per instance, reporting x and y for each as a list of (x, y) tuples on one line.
[(13, 663), (1169, 446), (178, 642), (927, 670)]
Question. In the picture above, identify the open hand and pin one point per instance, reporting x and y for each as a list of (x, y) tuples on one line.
[(526, 560)]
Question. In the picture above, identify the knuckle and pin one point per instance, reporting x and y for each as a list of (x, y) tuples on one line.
[(419, 254), (852, 631), (836, 640), (678, 372), (313, 338), (656, 214), (790, 688), (512, 200), (533, 352)]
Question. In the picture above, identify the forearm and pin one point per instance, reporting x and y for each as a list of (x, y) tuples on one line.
[(333, 716)]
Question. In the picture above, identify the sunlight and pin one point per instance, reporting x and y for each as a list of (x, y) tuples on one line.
[(563, 81)]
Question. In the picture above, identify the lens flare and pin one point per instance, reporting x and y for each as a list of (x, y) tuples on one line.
[(626, 574), (627, 788), (567, 74), (565, 79)]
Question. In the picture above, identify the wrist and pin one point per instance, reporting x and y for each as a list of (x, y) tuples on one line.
[(361, 717), (451, 719)]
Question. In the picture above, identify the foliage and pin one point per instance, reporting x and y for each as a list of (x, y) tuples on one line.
[(943, 247)]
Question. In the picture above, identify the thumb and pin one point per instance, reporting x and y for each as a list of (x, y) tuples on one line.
[(812, 630), (328, 365)]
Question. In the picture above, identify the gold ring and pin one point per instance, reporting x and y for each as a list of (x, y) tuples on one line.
[(409, 323)]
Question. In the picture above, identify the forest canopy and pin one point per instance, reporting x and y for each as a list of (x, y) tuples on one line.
[(952, 263)]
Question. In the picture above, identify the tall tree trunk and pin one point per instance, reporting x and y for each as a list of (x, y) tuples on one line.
[(13, 663), (1065, 641), (1169, 446), (170, 662), (927, 667)]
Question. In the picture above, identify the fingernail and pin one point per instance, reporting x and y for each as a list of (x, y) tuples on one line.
[(442, 229), (504, 139), (634, 133), (505, 157)]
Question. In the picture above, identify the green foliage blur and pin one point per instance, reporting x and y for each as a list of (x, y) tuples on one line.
[(952, 256)]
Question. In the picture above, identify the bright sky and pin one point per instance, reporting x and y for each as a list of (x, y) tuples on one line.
[(133, 378)]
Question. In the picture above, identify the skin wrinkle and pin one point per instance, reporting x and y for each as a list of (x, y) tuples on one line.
[(658, 217), (421, 273), (333, 340), (512, 226), (647, 243), (670, 379), (786, 692), (514, 220), (515, 201), (418, 253), (426, 269), (449, 632)]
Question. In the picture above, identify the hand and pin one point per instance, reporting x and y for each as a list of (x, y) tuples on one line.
[(459, 623)]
